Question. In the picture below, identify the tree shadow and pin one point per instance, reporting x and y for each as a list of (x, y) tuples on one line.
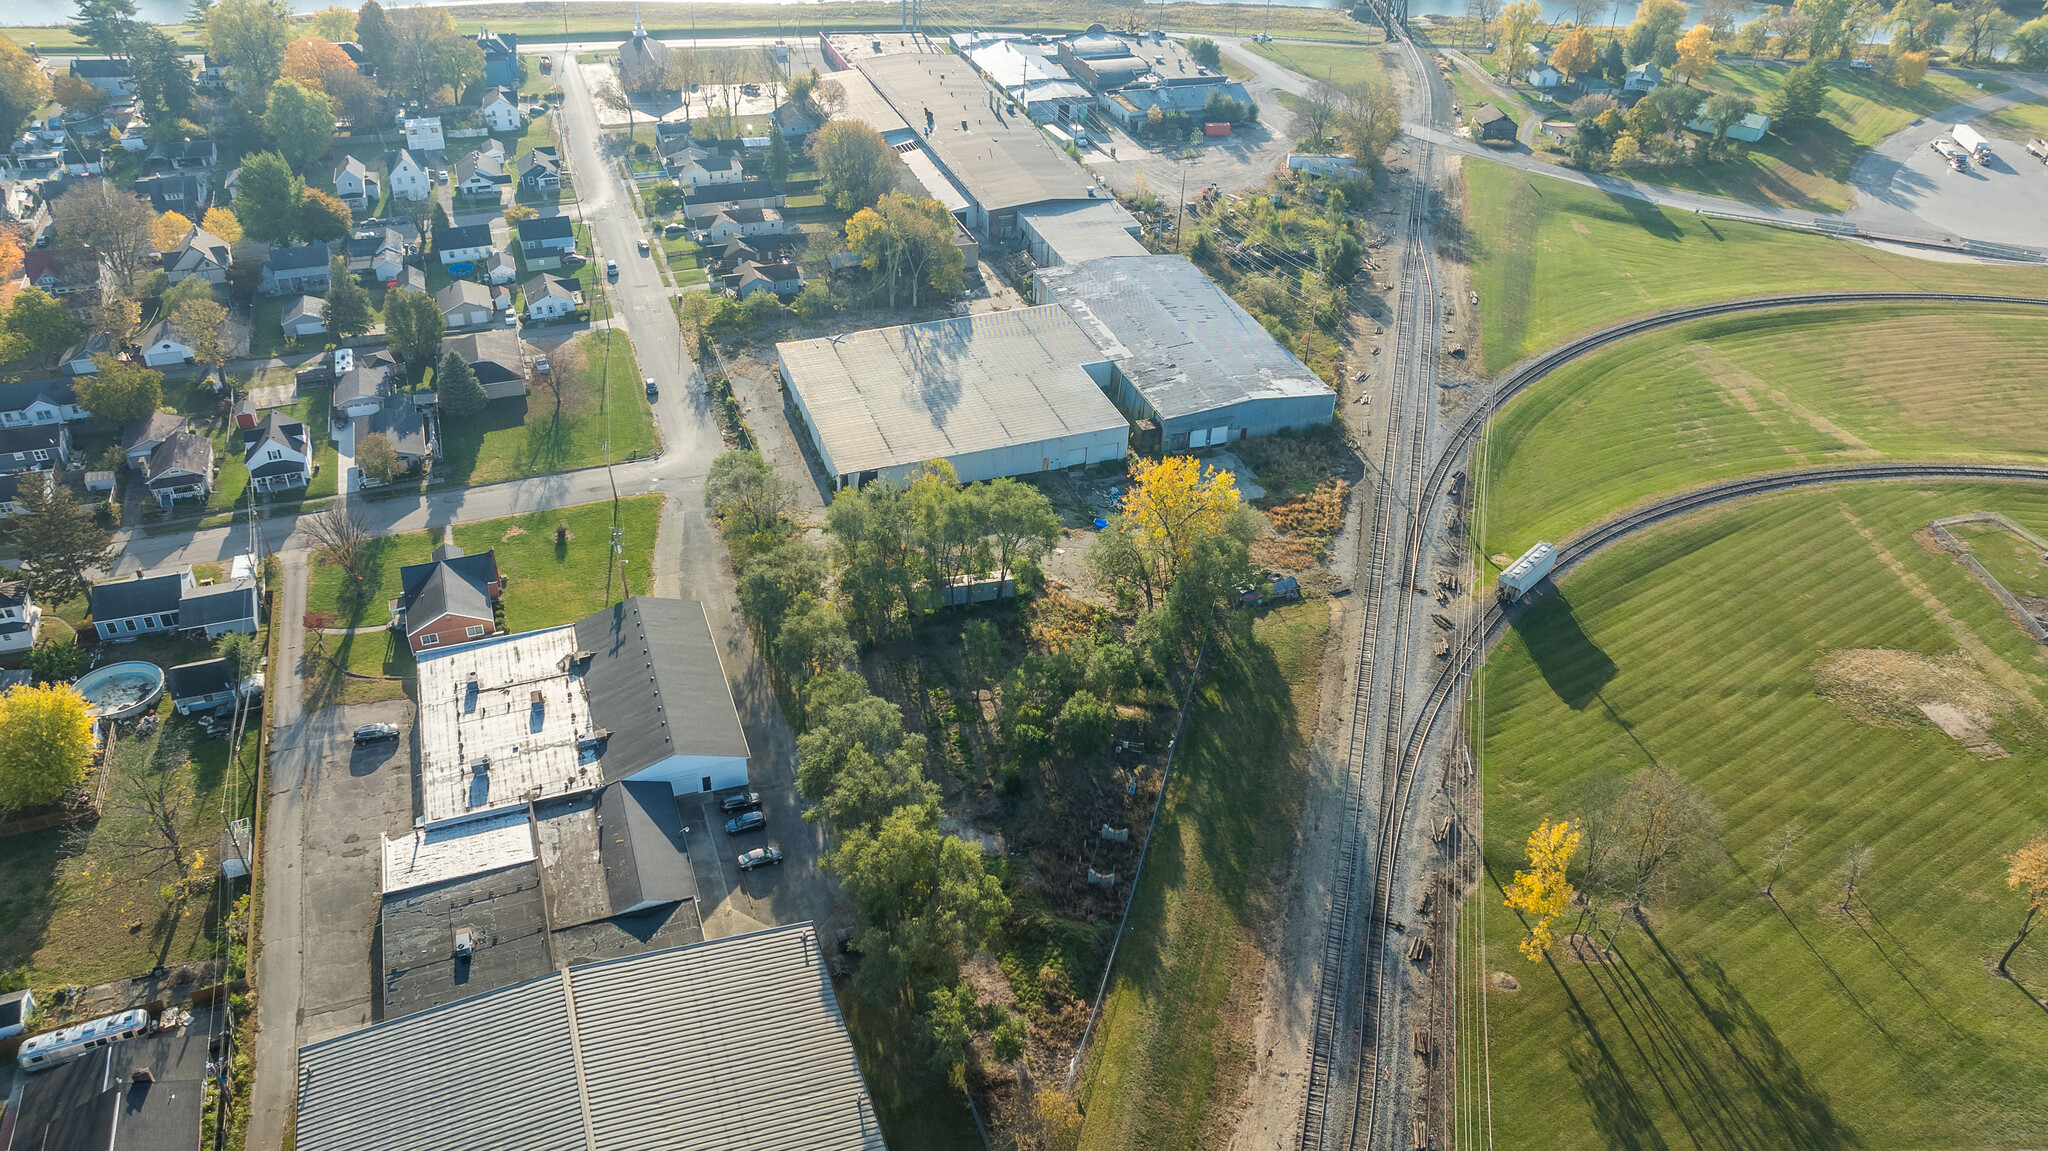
[(1647, 216), (1571, 663)]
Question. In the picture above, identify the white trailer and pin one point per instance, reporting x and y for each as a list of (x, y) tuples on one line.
[(1522, 576), (1972, 141), (77, 1041), (2038, 149)]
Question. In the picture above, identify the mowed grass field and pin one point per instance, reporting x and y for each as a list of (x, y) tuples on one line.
[(2020, 122), (1551, 260), (1732, 1021), (1800, 387), (1173, 1041), (1334, 64)]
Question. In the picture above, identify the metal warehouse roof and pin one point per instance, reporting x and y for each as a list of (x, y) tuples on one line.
[(1085, 229), (657, 1055), (1175, 335), (1002, 160), (859, 99), (889, 397)]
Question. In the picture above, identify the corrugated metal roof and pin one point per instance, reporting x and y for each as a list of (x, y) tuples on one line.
[(733, 1042), (1085, 230), (1003, 161), (890, 397), (859, 99), (1175, 334)]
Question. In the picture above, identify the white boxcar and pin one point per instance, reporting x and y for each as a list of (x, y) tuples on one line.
[(1522, 576), (1973, 140)]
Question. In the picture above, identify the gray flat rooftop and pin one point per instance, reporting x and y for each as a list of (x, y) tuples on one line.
[(1003, 161), (1175, 335), (655, 1056), (485, 743), (858, 99), (471, 847), (890, 397), (508, 924), (1085, 229)]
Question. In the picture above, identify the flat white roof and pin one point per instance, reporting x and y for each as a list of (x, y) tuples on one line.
[(485, 743), (859, 99), (935, 182), (1084, 229), (471, 847)]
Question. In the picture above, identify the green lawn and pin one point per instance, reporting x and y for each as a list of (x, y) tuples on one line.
[(1720, 398), (1809, 167), (1551, 260), (546, 583), (1731, 1020), (685, 259), (1337, 65), (1166, 1067), (2020, 122), (597, 396)]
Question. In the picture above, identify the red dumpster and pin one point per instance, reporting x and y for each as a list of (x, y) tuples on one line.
[(1215, 129)]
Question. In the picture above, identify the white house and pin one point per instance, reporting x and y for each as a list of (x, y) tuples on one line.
[(143, 603), (39, 402), (355, 185), (549, 299), (1544, 76), (500, 269), (19, 618), (34, 448), (423, 134), (202, 254), (181, 468), (469, 244), (1644, 77), (160, 349), (278, 453), (700, 171), (744, 222), (480, 176), (501, 112), (405, 176)]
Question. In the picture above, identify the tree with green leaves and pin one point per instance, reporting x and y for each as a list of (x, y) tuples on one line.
[(106, 24), (2029, 44), (243, 653), (322, 216), (205, 327), (1983, 28), (981, 652), (58, 659), (910, 239), (924, 898), (378, 458), (24, 88), (426, 54), (1800, 99), (250, 37), (1085, 725), (335, 24), (44, 323), (163, 77), (778, 161), (46, 741), (1725, 109), (348, 303), (301, 120), (119, 391), (746, 494), (412, 323), (373, 32), (773, 582), (269, 198), (812, 641), (855, 165), (455, 384), (1206, 52), (58, 541)]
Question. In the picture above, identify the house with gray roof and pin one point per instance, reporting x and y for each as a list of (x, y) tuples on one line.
[(180, 468), (449, 600), (50, 401), (278, 453), (299, 268), (464, 304), (139, 604), (19, 618), (201, 685), (406, 425), (305, 316), (34, 448), (220, 608), (356, 185), (141, 437)]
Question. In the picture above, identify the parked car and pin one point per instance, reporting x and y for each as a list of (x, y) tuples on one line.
[(643, 247), (653, 393), (611, 269), (674, 229), (575, 260), (373, 732), (741, 801), (750, 89), (760, 857), (751, 821)]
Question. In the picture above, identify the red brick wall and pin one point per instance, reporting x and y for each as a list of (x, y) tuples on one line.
[(453, 629)]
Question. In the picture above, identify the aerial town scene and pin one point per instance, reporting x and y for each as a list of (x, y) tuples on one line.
[(955, 575)]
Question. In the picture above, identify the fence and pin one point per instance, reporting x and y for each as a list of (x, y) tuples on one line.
[(1957, 548), (1843, 229)]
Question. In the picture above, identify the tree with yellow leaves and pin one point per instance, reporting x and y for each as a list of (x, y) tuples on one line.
[(1696, 52), (2027, 870), (312, 59), (1576, 54), (1542, 890), (1909, 68), (45, 744), (1518, 23), (222, 223), (169, 230), (1172, 506)]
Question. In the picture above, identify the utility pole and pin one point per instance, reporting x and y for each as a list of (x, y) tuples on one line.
[(1180, 209)]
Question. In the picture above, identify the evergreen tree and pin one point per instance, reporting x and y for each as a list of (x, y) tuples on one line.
[(778, 156), (1804, 94), (348, 304), (461, 396), (58, 542)]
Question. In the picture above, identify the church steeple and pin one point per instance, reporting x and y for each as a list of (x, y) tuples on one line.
[(639, 29)]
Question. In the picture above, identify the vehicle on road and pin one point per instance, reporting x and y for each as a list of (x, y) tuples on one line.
[(1861, 64), (373, 732), (643, 247), (611, 269), (760, 857), (1973, 141), (751, 821), (750, 89), (2038, 149), (653, 393), (741, 801), (547, 65)]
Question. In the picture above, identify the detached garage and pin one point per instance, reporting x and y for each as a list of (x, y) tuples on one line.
[(994, 394)]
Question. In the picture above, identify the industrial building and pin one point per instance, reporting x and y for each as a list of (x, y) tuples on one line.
[(994, 393), (1190, 367), (733, 1042), (1079, 230)]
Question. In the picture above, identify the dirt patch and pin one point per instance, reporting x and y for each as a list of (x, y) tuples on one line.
[(1587, 949), (1887, 688), (511, 532), (1502, 981)]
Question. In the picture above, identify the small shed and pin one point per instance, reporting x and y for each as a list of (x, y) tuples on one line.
[(15, 1009), (1492, 126), (99, 481)]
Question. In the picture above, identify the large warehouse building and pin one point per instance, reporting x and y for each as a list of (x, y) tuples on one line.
[(995, 394), (1186, 357)]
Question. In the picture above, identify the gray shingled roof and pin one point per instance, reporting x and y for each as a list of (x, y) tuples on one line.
[(205, 677), (151, 428), (446, 592), (182, 453), (145, 593), (681, 705), (220, 603), (640, 841)]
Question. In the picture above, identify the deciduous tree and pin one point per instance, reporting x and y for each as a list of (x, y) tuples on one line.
[(376, 456), (1827, 23), (45, 744), (1655, 19), (301, 121), (311, 59), (910, 239), (348, 304), (43, 323), (1518, 24), (268, 198), (1983, 28), (1696, 51), (1783, 843), (58, 660), (373, 32), (1575, 55), (118, 315), (203, 325), (2028, 47), (169, 230), (855, 166), (322, 216), (427, 54), (120, 391), (924, 899), (342, 536), (744, 492), (1648, 835), (24, 88), (101, 224), (412, 323), (1542, 891), (222, 223), (335, 24), (57, 540), (2026, 871), (250, 37), (1367, 121), (1855, 867), (1172, 505)]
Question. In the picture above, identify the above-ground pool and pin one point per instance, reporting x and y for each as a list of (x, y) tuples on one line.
[(121, 690)]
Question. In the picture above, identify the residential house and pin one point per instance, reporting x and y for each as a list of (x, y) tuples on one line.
[(135, 137), (1491, 125), (447, 600), (376, 254), (299, 268), (496, 359), (480, 175), (200, 254), (358, 392), (501, 57), (743, 222), (404, 423), (180, 156), (77, 359), (423, 134), (218, 609), (355, 185), (542, 170), (794, 122), (500, 269), (464, 304), (211, 77), (180, 192), (19, 618), (642, 61), (141, 437), (356, 55), (105, 73), (1644, 77), (305, 316), (406, 177), (82, 162), (708, 201), (10, 493), (1749, 129), (701, 171), (781, 278), (161, 349), (34, 448), (412, 276), (501, 111), (39, 402), (181, 468), (1544, 77), (734, 250), (544, 240), (200, 686), (141, 604), (61, 279), (278, 453), (468, 244), (548, 298)]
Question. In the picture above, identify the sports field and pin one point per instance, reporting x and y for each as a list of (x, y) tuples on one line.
[(1551, 260), (1735, 1021), (1763, 392)]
